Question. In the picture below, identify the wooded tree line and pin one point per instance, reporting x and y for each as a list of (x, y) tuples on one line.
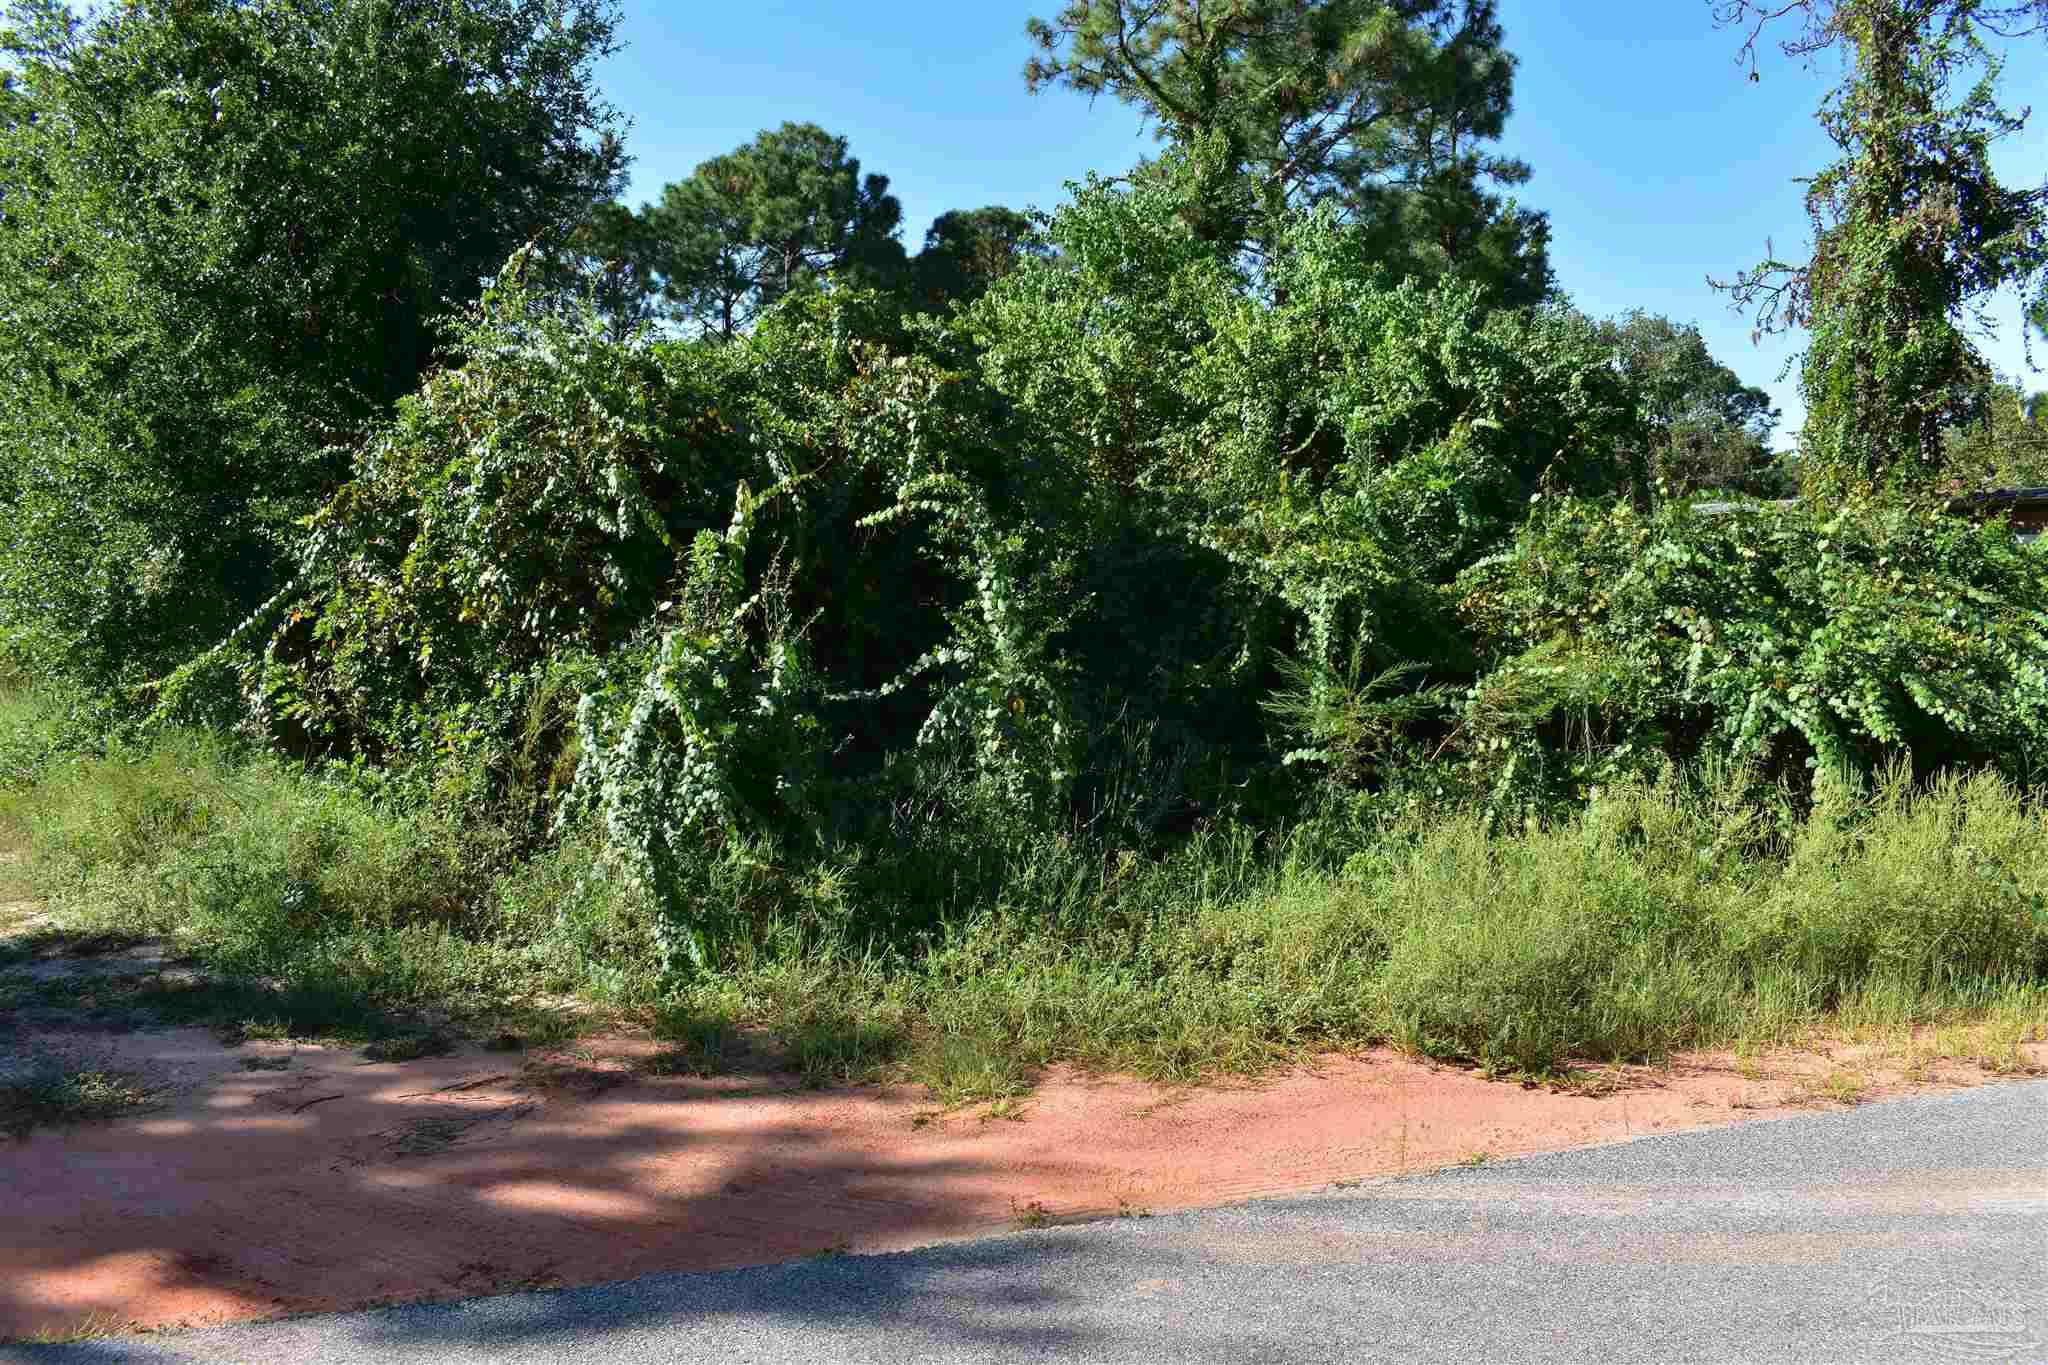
[(232, 233), (1386, 112), (342, 400)]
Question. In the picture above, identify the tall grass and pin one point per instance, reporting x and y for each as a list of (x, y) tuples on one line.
[(1657, 919), (334, 909)]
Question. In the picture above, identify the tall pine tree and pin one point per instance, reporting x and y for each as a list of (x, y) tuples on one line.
[(1386, 109)]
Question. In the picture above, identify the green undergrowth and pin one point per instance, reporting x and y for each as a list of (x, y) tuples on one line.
[(53, 1095), (1657, 919)]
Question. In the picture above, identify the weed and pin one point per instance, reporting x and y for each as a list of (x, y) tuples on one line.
[(540, 1027), (91, 1327), (54, 1094), (1032, 1214), (702, 1045), (1994, 1041), (1839, 1085), (830, 1045), (1003, 1109), (1583, 1081), (968, 1069), (269, 1063), (1474, 1160), (407, 1047)]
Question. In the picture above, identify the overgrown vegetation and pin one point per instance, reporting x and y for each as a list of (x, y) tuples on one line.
[(1656, 918), (1213, 637)]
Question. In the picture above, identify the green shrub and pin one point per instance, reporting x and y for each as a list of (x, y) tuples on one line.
[(1771, 638), (1062, 547)]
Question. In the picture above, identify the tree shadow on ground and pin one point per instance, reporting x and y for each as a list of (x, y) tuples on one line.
[(331, 1181), (1065, 1293)]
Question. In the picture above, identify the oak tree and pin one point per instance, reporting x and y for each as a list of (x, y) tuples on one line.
[(227, 229)]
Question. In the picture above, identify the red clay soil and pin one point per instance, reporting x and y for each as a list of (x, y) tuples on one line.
[(337, 1183)]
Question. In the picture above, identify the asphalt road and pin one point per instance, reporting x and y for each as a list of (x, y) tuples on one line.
[(1915, 1230)]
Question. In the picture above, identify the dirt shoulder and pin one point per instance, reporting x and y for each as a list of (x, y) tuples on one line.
[(271, 1178)]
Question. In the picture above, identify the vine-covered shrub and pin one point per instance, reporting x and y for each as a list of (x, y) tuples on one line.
[(521, 515), (1269, 485), (1841, 641), (1061, 548), (719, 734), (553, 580), (1350, 408)]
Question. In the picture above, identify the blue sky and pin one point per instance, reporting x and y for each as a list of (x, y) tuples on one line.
[(1658, 162)]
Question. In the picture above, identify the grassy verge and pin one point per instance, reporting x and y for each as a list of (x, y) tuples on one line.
[(1650, 923)]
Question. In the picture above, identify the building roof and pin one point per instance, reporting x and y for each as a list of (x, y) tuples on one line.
[(2000, 498), (2030, 503)]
